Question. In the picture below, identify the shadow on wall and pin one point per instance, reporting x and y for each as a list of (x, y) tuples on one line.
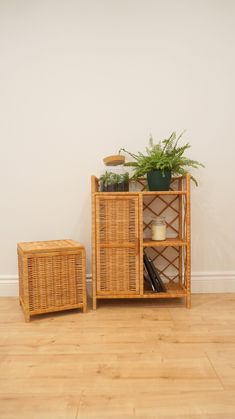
[(82, 229)]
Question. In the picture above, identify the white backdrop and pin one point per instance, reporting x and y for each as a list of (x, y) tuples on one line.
[(81, 79)]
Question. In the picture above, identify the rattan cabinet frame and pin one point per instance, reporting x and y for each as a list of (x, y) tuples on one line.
[(121, 232)]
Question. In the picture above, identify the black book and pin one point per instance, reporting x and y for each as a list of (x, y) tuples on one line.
[(156, 280), (148, 281)]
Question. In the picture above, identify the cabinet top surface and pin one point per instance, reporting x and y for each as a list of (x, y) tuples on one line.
[(180, 185), (141, 193)]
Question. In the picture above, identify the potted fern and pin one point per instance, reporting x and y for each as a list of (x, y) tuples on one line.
[(160, 161)]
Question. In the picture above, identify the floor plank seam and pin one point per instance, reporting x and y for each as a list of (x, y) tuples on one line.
[(79, 405), (214, 369)]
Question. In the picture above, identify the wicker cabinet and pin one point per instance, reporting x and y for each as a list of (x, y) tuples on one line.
[(121, 233)]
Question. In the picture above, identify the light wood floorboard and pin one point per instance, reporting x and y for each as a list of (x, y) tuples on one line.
[(128, 359)]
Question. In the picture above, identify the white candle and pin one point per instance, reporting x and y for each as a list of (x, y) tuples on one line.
[(158, 230)]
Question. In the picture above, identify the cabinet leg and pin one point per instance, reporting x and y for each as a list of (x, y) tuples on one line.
[(188, 301), (84, 308), (94, 303), (27, 317)]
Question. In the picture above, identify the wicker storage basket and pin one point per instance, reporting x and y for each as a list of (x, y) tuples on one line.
[(52, 276)]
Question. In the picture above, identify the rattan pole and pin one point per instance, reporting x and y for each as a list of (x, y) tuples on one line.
[(141, 244), (84, 307), (93, 232), (188, 239), (180, 198)]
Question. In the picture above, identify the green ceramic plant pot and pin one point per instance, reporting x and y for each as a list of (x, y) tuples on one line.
[(158, 180)]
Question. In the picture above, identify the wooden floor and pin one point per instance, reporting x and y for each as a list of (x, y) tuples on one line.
[(129, 359)]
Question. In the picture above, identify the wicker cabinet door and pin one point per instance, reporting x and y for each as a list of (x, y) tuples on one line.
[(117, 245)]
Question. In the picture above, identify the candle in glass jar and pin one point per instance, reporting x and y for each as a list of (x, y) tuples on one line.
[(158, 229)]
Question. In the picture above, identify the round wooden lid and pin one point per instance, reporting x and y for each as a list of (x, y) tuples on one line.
[(114, 160)]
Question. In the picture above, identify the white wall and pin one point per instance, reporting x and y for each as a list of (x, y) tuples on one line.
[(80, 79)]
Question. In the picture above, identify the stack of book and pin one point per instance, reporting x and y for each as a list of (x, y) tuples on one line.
[(151, 275)]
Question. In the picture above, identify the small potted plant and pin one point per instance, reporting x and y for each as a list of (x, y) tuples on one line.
[(106, 182), (123, 182), (114, 182), (160, 161)]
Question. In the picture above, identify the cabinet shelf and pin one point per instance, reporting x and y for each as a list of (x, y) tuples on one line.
[(165, 243), (144, 193), (156, 193), (173, 290)]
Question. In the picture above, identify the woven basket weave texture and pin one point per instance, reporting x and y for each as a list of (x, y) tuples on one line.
[(52, 276)]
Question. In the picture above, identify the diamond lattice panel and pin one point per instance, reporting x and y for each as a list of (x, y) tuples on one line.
[(166, 260), (168, 207)]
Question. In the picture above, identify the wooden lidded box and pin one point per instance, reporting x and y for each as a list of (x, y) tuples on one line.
[(52, 276)]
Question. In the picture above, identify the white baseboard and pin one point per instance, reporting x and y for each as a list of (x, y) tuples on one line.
[(213, 282), (9, 285), (202, 283)]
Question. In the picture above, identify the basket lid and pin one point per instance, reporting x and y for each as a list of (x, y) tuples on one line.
[(48, 246)]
